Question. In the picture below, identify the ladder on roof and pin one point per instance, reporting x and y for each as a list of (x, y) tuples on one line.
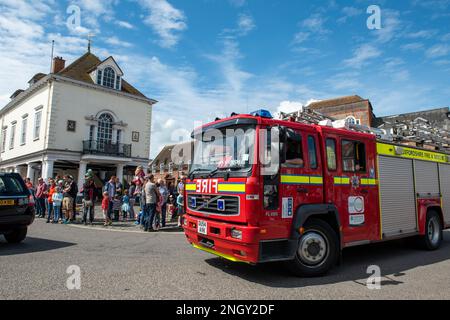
[(418, 132)]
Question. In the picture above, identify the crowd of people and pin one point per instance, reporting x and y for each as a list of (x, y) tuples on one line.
[(56, 200)]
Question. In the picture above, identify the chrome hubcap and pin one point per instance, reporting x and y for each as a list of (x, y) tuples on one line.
[(313, 248), (433, 230)]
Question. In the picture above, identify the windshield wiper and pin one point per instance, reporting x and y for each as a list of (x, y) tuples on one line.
[(193, 172), (227, 169)]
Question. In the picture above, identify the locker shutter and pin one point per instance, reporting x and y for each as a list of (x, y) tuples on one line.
[(444, 174), (426, 177), (397, 196)]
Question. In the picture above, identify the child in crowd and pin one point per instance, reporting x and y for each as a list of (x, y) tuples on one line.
[(117, 204), (180, 211), (171, 208), (57, 198), (105, 207), (126, 207)]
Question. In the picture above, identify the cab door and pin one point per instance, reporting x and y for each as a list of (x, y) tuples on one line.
[(301, 177)]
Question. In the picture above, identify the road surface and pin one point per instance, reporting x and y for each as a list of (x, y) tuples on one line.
[(125, 264)]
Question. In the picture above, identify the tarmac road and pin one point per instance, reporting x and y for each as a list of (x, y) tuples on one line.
[(133, 265)]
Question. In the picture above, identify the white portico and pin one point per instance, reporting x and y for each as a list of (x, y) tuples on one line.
[(83, 116)]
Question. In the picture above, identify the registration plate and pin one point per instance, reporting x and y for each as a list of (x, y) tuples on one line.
[(7, 202), (203, 227)]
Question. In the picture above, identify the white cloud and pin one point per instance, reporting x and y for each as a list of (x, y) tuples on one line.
[(391, 26), (166, 20), (362, 55), (345, 82), (438, 51), (245, 24), (300, 37), (349, 12), (412, 46), (116, 42), (423, 34), (238, 3), (289, 107), (316, 24), (92, 11), (125, 24)]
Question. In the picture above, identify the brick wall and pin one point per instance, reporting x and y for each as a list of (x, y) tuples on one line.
[(360, 110)]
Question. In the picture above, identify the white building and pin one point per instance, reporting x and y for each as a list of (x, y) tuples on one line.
[(79, 117)]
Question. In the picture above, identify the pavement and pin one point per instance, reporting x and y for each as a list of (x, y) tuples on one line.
[(129, 264)]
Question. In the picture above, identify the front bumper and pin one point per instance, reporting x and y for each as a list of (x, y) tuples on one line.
[(218, 240), (7, 223)]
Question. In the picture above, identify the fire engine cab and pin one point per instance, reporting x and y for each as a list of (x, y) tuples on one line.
[(297, 191)]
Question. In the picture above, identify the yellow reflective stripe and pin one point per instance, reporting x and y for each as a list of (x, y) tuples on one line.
[(369, 182), (411, 153), (301, 179), (341, 180), (226, 256), (232, 187), (191, 187), (316, 180), (292, 179)]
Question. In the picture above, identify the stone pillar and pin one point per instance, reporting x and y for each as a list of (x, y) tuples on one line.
[(119, 173), (102, 175), (82, 169), (47, 169), (17, 169), (30, 172)]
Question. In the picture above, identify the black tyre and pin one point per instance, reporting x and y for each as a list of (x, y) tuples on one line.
[(17, 236), (433, 237), (317, 251)]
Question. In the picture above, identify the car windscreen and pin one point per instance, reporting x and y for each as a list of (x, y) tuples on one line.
[(11, 186)]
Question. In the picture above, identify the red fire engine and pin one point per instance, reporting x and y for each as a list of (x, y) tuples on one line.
[(334, 188)]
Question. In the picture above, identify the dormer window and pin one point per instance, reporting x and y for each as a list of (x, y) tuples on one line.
[(109, 78)]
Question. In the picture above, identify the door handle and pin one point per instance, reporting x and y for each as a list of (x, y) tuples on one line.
[(364, 191), (302, 190)]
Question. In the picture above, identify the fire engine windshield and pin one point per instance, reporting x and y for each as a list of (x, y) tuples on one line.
[(229, 149)]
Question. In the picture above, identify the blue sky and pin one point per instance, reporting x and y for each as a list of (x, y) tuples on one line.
[(208, 58)]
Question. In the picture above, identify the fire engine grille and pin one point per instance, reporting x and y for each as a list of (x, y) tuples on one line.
[(214, 204)]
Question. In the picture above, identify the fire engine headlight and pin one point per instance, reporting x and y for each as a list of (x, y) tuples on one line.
[(236, 234)]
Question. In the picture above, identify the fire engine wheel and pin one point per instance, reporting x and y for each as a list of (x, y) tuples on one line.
[(433, 232), (317, 250)]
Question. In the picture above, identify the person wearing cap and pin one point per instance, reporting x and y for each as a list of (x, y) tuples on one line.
[(70, 192)]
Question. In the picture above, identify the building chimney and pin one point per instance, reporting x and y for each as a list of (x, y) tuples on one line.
[(58, 64)]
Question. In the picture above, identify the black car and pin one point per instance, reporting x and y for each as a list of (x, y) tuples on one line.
[(16, 207)]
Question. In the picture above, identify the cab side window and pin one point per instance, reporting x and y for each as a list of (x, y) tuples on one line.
[(312, 153), (294, 151), (331, 154), (353, 156)]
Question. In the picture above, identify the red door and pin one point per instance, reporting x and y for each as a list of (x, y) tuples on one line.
[(351, 184), (301, 174)]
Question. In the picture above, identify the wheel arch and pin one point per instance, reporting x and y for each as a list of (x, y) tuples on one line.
[(326, 212), (439, 211)]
